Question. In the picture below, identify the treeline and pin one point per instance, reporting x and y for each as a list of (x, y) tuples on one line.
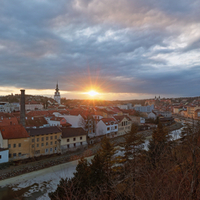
[(168, 170)]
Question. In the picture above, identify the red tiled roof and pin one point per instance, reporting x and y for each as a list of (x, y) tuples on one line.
[(13, 132), (37, 113), (120, 118), (109, 120), (35, 121)]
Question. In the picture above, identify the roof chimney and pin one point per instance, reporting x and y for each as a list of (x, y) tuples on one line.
[(22, 109)]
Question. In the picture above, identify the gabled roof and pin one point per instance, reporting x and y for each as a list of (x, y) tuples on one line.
[(108, 121), (43, 131), (72, 132), (13, 132), (120, 118)]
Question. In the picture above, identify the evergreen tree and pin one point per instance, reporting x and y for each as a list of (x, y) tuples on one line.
[(158, 145)]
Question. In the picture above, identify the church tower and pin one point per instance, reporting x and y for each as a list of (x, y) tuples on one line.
[(57, 94)]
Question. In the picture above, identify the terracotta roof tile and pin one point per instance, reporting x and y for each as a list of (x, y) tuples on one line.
[(13, 132)]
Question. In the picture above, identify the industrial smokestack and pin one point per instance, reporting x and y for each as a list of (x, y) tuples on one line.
[(22, 109)]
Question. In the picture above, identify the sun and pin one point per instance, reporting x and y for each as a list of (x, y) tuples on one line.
[(92, 93)]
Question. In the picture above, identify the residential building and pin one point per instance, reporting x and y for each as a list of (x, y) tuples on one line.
[(7, 119), (57, 121), (146, 109), (36, 122), (124, 124), (16, 139), (44, 141), (73, 138), (33, 105), (191, 111), (7, 107), (107, 126), (163, 113), (125, 106), (4, 155)]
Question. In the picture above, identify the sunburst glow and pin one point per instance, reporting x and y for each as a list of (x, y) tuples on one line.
[(92, 93)]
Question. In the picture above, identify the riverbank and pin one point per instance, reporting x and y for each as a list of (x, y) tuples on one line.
[(13, 171)]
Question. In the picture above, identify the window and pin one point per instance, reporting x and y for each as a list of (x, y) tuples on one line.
[(19, 144), (47, 138), (81, 143), (42, 138), (55, 148), (32, 145), (0, 156), (55, 142), (74, 139), (51, 143), (14, 145), (14, 154), (115, 127), (37, 152), (42, 144), (51, 137), (67, 140), (38, 139), (68, 146), (9, 146), (19, 154), (51, 149), (10, 155), (33, 140), (37, 145), (74, 144), (46, 143), (46, 150), (108, 128), (80, 138), (56, 137)]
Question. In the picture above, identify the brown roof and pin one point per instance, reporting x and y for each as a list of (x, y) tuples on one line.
[(71, 132), (43, 131), (35, 121), (109, 120), (37, 113), (13, 132), (3, 149), (120, 118)]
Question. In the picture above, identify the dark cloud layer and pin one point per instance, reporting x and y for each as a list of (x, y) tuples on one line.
[(127, 46)]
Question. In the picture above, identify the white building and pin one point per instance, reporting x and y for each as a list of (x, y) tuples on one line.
[(140, 108), (125, 106), (57, 94), (33, 105), (75, 120), (7, 107), (107, 126), (4, 155)]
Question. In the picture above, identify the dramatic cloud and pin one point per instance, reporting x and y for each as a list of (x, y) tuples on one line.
[(117, 46)]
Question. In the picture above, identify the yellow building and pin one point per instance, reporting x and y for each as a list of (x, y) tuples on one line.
[(191, 111), (44, 141), (73, 138), (16, 138), (124, 124)]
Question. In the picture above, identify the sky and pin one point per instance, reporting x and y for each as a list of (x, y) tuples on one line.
[(123, 49)]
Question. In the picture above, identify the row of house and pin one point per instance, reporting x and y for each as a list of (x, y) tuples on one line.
[(16, 142)]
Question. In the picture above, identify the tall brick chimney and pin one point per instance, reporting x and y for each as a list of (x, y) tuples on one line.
[(22, 109)]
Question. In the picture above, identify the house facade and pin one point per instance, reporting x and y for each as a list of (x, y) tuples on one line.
[(44, 141), (124, 124), (17, 140), (4, 155), (107, 126), (73, 138)]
